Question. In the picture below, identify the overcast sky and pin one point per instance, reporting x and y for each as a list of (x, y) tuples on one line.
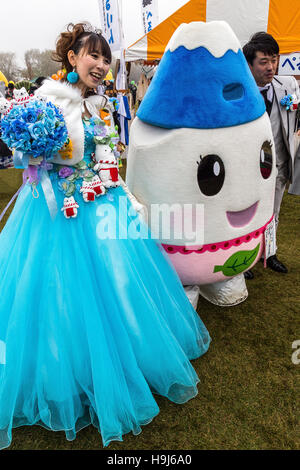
[(28, 24)]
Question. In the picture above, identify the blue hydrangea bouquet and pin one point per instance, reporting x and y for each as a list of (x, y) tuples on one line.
[(36, 128)]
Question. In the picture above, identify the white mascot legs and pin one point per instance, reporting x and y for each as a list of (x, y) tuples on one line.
[(226, 293)]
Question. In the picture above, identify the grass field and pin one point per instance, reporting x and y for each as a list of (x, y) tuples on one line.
[(249, 391)]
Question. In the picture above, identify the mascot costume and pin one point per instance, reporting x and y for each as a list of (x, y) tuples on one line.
[(204, 148)]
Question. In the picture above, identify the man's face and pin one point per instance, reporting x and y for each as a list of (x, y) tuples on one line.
[(264, 68)]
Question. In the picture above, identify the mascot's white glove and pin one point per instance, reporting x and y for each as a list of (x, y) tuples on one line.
[(138, 207)]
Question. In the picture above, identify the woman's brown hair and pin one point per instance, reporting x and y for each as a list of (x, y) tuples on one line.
[(76, 38)]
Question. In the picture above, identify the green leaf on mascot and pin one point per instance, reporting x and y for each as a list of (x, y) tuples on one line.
[(238, 262)]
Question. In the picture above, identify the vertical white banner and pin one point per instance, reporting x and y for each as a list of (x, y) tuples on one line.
[(111, 23), (149, 14)]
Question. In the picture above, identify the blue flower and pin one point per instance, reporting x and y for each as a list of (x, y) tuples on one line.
[(94, 120), (24, 144), (37, 130), (50, 112), (115, 102), (15, 113), (18, 127), (30, 115), (287, 101), (49, 125), (63, 185), (37, 148)]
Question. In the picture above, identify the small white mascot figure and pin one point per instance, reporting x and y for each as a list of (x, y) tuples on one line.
[(70, 207), (5, 106), (21, 96), (98, 186), (107, 166), (88, 192)]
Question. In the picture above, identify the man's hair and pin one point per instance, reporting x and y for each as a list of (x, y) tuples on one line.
[(262, 42)]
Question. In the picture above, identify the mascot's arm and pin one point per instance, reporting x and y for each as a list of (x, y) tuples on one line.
[(138, 207)]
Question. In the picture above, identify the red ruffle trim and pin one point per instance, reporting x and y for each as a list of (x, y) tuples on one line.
[(213, 247)]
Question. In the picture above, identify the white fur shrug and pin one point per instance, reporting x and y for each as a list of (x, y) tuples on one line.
[(71, 103)]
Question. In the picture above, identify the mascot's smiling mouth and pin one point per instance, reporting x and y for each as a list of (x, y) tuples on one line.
[(241, 218)]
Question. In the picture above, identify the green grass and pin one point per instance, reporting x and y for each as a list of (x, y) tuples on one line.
[(249, 391)]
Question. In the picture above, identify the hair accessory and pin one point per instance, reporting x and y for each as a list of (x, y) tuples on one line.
[(88, 28), (73, 76)]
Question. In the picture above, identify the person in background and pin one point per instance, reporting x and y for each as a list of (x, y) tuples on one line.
[(133, 89), (109, 85), (9, 94), (262, 55), (101, 89), (6, 160), (2, 89)]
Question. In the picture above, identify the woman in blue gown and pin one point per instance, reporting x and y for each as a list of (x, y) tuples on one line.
[(91, 325)]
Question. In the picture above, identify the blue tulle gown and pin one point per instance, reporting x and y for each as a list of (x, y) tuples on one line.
[(90, 326)]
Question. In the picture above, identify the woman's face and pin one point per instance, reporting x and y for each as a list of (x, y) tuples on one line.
[(91, 67)]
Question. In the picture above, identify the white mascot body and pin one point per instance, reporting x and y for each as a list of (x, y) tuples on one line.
[(203, 147)]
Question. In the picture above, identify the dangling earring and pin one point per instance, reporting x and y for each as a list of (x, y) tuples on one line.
[(73, 76)]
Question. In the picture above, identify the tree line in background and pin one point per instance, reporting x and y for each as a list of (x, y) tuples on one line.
[(37, 63)]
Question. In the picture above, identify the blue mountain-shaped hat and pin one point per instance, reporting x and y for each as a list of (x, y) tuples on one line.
[(203, 81)]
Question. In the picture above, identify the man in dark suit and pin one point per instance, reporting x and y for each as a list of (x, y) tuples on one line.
[(262, 54)]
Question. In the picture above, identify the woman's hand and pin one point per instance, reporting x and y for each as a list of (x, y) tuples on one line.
[(35, 161)]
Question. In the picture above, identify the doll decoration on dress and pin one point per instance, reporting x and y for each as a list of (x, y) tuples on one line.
[(107, 166), (209, 147), (70, 207)]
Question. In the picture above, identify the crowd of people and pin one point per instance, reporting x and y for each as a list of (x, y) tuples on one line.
[(85, 315)]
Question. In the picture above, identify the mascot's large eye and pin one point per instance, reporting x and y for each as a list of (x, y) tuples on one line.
[(211, 175), (266, 159)]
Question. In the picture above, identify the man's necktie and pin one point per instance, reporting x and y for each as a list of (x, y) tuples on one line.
[(267, 102)]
